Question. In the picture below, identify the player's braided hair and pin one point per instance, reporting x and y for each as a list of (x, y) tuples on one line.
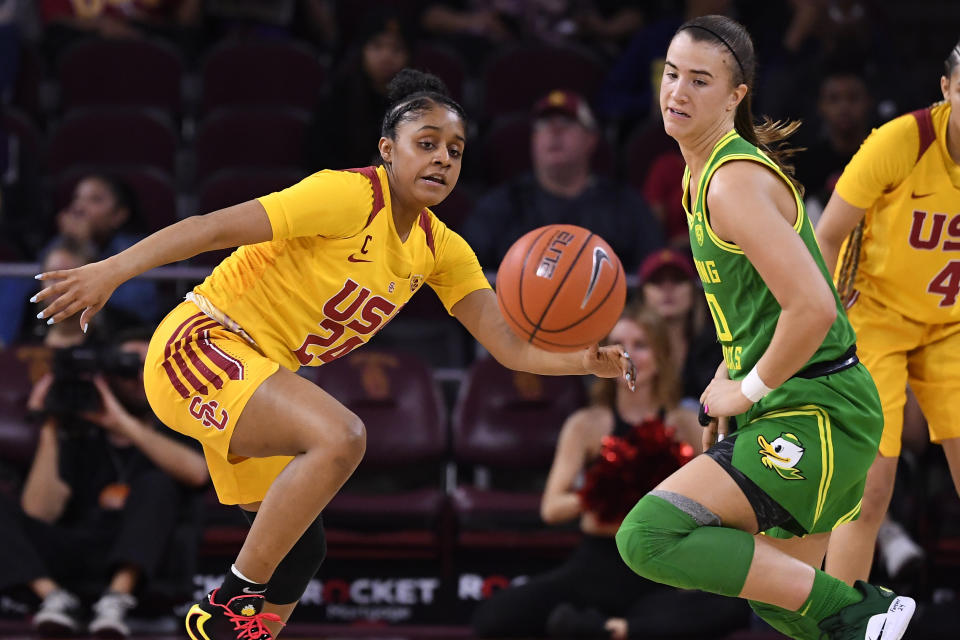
[(734, 39), (849, 263), (411, 93), (953, 60)]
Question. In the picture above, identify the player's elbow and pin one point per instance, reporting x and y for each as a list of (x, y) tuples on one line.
[(548, 513), (822, 311)]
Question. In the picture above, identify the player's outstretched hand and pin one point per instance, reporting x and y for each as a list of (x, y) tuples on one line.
[(609, 362), (69, 291)]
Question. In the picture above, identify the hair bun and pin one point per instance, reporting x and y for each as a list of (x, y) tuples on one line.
[(410, 81)]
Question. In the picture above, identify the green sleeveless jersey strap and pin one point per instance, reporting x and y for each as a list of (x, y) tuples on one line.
[(744, 310)]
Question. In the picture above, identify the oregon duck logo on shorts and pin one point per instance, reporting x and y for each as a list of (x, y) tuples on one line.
[(782, 455)]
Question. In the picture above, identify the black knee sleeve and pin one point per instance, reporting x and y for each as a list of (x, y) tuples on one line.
[(299, 566)]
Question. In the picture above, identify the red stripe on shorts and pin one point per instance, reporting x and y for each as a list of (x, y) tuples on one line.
[(173, 336), (202, 367), (232, 367), (188, 374), (174, 380)]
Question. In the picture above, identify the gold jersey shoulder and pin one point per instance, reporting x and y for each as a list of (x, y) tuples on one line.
[(906, 180)]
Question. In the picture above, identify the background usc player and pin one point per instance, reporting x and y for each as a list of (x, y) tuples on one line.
[(898, 201), (321, 267)]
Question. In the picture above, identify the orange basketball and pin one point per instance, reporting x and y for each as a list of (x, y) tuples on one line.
[(561, 287)]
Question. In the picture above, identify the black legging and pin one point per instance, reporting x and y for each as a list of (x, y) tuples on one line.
[(137, 536), (596, 577)]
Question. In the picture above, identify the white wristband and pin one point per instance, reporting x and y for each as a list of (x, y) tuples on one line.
[(753, 387)]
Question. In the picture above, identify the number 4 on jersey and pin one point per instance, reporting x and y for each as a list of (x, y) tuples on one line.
[(947, 283)]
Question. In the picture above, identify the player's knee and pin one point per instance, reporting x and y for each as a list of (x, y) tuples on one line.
[(652, 529), (348, 437), (873, 507), (354, 434)]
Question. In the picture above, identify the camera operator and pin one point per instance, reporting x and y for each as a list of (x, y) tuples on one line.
[(105, 488)]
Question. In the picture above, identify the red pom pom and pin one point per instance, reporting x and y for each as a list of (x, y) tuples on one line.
[(629, 467)]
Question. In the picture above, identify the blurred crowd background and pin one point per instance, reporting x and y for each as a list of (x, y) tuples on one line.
[(122, 116)]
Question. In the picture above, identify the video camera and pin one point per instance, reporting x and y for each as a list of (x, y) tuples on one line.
[(72, 391)]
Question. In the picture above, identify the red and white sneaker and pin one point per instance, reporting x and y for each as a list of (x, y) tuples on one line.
[(239, 619)]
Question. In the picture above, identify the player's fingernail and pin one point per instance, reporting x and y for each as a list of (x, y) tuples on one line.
[(40, 316), (39, 276), (33, 299), (706, 408), (50, 321), (85, 325)]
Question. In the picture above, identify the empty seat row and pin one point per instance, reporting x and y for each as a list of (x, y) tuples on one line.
[(267, 137), (243, 136), (270, 72)]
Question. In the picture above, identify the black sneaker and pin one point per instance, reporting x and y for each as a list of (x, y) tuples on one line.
[(239, 619), (881, 614)]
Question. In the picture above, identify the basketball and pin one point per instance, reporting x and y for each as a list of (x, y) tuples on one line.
[(561, 287)]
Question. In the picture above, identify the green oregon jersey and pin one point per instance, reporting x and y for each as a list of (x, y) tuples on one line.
[(744, 310)]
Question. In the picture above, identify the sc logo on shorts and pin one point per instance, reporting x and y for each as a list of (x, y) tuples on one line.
[(206, 413)]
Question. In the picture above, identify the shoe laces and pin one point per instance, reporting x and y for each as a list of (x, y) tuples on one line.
[(114, 605), (59, 600), (249, 627)]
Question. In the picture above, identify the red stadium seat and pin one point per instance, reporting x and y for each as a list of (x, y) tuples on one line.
[(155, 191), (514, 80), (250, 137), (24, 140), (505, 428), (20, 367), (506, 150), (120, 72), (113, 136), (233, 186), (26, 88), (263, 73), (642, 147), (395, 499), (228, 187), (443, 62)]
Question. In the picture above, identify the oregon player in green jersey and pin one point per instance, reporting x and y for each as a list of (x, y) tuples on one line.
[(808, 415)]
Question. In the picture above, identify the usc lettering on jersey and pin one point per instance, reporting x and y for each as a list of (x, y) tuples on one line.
[(910, 187), (336, 271)]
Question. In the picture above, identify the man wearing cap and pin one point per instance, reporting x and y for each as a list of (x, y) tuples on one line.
[(562, 188)]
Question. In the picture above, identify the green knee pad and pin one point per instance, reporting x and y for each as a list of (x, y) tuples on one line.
[(789, 623), (673, 545)]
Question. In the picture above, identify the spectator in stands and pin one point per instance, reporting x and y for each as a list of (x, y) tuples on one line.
[(669, 285), (347, 125), (845, 110), (66, 21), (477, 26), (629, 92), (562, 188), (103, 214), (623, 444), (663, 189), (106, 487)]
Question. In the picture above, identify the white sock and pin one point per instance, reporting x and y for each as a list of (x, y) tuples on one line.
[(236, 572)]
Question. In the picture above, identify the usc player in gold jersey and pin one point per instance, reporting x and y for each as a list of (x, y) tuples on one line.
[(896, 211), (321, 266)]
